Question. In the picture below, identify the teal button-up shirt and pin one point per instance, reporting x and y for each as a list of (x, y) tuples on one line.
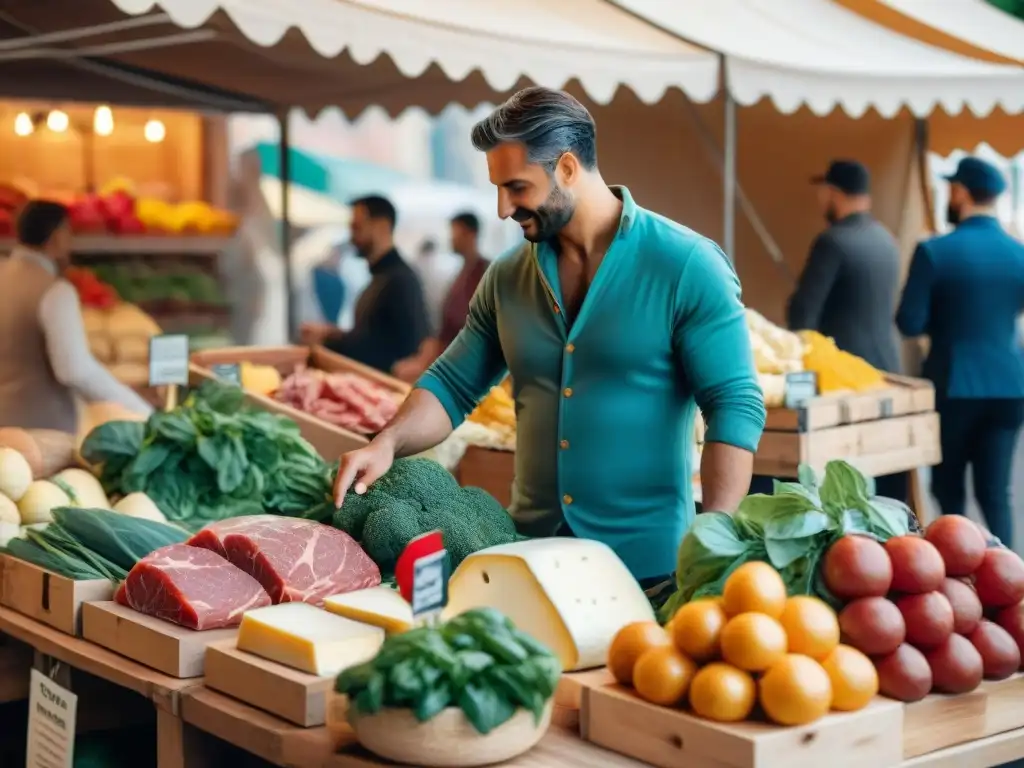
[(606, 405)]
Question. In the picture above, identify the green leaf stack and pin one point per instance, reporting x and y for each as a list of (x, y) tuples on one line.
[(791, 528), (478, 662), (212, 458)]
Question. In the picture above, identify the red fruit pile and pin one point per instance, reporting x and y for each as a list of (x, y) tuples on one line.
[(918, 607), (92, 291)]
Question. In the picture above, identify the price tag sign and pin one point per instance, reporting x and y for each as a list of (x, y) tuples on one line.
[(800, 387), (168, 360), (228, 372), (422, 576), (52, 710)]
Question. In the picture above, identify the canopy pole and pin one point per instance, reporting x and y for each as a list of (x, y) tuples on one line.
[(729, 168), (284, 164)]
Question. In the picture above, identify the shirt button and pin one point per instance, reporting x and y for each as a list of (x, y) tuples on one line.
[(557, 309), (570, 348), (567, 391), (563, 444), (567, 499)]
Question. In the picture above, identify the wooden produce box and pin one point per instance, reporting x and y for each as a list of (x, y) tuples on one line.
[(939, 721), (615, 718), (329, 440), (176, 651), (292, 695), (48, 597), (883, 431), (490, 469)]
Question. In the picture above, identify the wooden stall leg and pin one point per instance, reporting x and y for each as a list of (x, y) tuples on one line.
[(178, 744)]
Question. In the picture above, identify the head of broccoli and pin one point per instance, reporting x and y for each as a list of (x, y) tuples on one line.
[(416, 496)]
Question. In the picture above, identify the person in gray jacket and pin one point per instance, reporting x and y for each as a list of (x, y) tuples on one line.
[(848, 289), (850, 283)]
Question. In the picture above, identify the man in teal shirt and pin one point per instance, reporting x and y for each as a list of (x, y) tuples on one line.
[(615, 323)]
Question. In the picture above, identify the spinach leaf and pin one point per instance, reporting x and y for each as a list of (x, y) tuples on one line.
[(784, 552), (485, 707), (432, 701), (797, 525)]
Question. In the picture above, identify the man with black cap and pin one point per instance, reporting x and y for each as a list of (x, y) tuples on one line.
[(848, 287), (965, 290)]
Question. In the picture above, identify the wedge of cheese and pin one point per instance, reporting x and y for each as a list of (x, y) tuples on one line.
[(307, 639), (378, 606), (573, 595)]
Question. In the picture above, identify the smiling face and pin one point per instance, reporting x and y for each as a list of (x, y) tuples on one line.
[(541, 202)]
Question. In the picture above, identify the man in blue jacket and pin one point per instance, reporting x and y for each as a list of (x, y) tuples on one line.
[(965, 291)]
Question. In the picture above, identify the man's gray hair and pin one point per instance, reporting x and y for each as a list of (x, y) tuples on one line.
[(547, 122)]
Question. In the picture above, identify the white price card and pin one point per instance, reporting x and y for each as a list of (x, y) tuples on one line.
[(52, 710), (429, 586), (168, 360)]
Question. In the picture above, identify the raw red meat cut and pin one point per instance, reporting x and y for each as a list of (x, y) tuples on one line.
[(344, 399), (296, 561), (193, 587)]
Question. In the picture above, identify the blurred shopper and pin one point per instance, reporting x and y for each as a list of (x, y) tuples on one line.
[(849, 285), (390, 317), (965, 291), (615, 323), (328, 287), (45, 360), (465, 235)]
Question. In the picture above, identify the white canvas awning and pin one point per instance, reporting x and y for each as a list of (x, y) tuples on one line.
[(974, 28), (822, 55), (505, 41)]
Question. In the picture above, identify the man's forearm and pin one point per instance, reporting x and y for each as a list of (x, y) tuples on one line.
[(725, 473), (420, 424)]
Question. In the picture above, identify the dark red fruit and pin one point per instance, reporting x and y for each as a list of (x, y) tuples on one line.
[(917, 566), (956, 665), (999, 579), (856, 566), (904, 674), (966, 605), (1000, 654), (872, 625), (929, 618), (960, 543), (1012, 620)]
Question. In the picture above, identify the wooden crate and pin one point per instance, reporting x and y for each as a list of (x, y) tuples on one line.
[(615, 718), (330, 441), (939, 721), (48, 597), (880, 432), (492, 470)]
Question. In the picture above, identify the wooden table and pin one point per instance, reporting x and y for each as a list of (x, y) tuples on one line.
[(290, 746), (164, 692)]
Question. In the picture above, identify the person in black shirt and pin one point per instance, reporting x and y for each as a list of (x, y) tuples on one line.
[(390, 317)]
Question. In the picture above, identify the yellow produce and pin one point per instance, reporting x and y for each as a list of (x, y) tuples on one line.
[(753, 642), (754, 587), (854, 678), (697, 629), (663, 675), (259, 379), (723, 693), (776, 350), (496, 410), (811, 626), (838, 370), (15, 474)]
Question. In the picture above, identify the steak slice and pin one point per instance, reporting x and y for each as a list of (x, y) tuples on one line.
[(192, 587), (296, 561)]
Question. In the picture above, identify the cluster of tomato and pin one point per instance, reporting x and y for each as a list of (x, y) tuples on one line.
[(92, 291)]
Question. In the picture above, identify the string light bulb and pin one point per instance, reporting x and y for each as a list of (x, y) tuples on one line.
[(23, 124), (103, 121), (154, 131), (57, 121)]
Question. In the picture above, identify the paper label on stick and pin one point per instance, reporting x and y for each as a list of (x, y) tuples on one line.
[(168, 360), (429, 586), (52, 710)]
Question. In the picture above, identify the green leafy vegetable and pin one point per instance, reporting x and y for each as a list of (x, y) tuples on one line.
[(213, 458), (83, 544), (791, 529), (478, 662)]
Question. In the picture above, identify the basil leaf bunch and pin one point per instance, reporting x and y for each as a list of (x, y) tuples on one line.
[(478, 661), (791, 528)]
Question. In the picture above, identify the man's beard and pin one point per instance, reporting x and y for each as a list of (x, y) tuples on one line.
[(549, 219), (953, 214)]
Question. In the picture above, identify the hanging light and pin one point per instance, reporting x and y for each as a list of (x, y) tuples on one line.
[(103, 121), (57, 121), (23, 125), (154, 131)]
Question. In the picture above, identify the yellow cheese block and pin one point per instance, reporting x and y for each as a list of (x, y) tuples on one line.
[(573, 595), (378, 606), (307, 638)]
